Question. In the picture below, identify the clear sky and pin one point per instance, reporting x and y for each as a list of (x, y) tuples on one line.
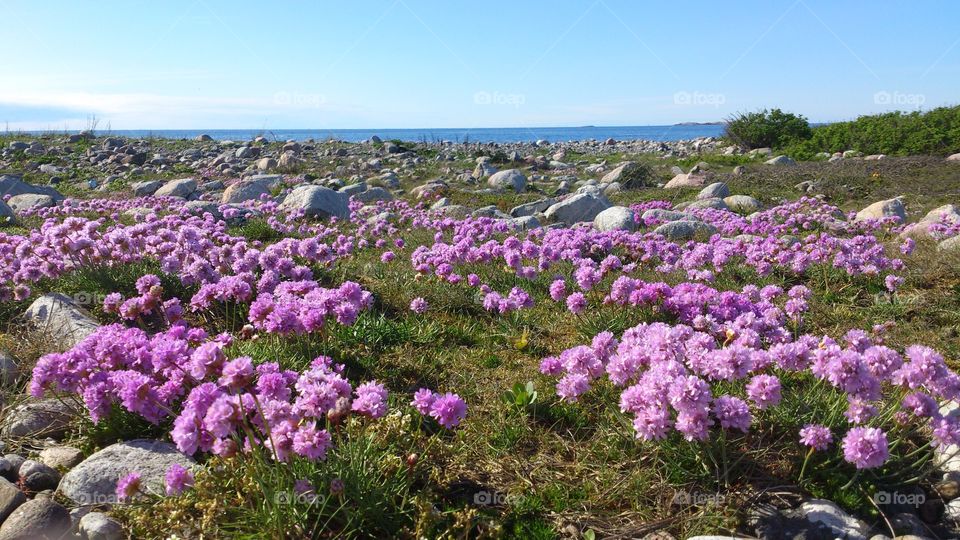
[(195, 64)]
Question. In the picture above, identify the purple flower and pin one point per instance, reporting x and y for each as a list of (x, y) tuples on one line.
[(423, 400), (865, 447), (371, 399), (128, 486), (418, 305), (448, 410), (764, 390), (816, 436), (732, 413), (576, 303), (178, 479)]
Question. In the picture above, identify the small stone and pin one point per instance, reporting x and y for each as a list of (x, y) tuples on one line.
[(61, 457), (781, 160), (948, 489), (97, 526), (37, 476), (10, 498), (44, 418)]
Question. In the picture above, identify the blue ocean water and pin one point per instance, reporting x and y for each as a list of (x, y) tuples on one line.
[(501, 135)]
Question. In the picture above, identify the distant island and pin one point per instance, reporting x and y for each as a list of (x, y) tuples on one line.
[(700, 124)]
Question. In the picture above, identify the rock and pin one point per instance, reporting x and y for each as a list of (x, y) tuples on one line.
[(947, 213), (508, 179), (829, 514), (97, 526), (29, 201), (882, 209), (483, 170), (686, 180), (524, 223), (577, 208), (13, 186), (38, 419), (10, 498), (743, 204), (430, 189), (61, 457), (267, 163), (289, 161), (950, 244), (201, 207), (7, 215), (659, 214), (57, 317), (9, 369), (685, 230), (615, 218), (182, 188), (14, 461), (490, 212), (954, 157), (245, 190), (203, 138), (353, 189), (94, 481), (630, 175), (781, 160), (532, 208), (716, 204), (739, 170), (37, 476), (374, 194), (716, 190), (145, 189), (952, 510), (317, 202), (39, 518)]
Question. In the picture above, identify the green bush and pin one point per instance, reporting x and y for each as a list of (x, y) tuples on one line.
[(772, 129), (935, 132)]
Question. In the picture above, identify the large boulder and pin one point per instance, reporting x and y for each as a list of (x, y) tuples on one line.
[(47, 418), (629, 175), (94, 481), (531, 208), (946, 214), (828, 514), (318, 202), (577, 208), (36, 519), (245, 190), (954, 157), (13, 186), (716, 190), (685, 230), (683, 180), (950, 244), (60, 319), (714, 203), (615, 218), (30, 201), (10, 498), (508, 179), (146, 188), (374, 194), (743, 204), (883, 209), (183, 188), (781, 160), (660, 214)]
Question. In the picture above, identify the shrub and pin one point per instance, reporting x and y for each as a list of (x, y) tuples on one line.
[(773, 129)]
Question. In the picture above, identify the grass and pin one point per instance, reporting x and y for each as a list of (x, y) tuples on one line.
[(556, 464)]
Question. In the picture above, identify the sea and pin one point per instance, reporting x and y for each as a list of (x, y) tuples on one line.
[(457, 135)]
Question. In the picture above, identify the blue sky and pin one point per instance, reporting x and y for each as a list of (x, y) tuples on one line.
[(196, 64)]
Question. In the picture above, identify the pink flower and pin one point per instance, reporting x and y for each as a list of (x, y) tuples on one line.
[(865, 447), (816, 436), (128, 486), (178, 479)]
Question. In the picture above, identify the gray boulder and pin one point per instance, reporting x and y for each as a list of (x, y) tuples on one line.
[(842, 524), (781, 160), (9, 369), (29, 201), (183, 188), (882, 209), (94, 481), (715, 203), (245, 190), (531, 208), (508, 179), (144, 189), (743, 204), (38, 419), (716, 190), (577, 208), (630, 175), (950, 244), (615, 218), (317, 202), (39, 518), (660, 214), (61, 457), (13, 186), (60, 319), (686, 180), (685, 230), (10, 498), (374, 194)]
